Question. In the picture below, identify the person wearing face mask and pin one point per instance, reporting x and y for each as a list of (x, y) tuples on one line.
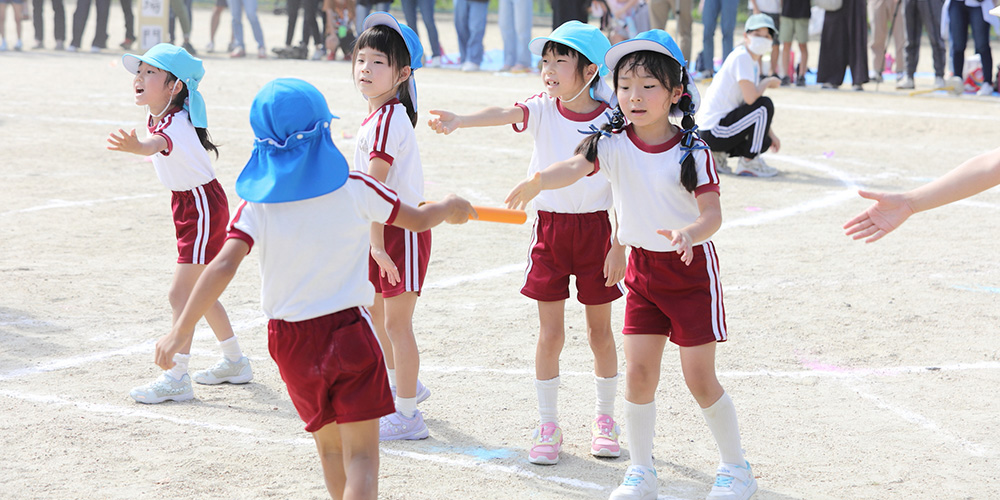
[(735, 116)]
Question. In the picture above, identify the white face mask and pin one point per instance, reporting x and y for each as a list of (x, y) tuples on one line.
[(758, 44)]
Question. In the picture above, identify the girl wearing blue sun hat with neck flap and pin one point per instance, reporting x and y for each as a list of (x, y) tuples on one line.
[(166, 82), (310, 218), (571, 222)]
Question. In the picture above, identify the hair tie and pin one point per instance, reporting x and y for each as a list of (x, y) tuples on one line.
[(594, 130), (688, 143)]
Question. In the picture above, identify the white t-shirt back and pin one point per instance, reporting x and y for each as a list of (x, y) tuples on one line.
[(646, 181), (314, 253), (184, 164), (557, 131), (388, 134), (724, 94)]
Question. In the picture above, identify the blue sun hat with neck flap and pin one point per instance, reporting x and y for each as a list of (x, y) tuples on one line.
[(586, 39), (181, 64), (293, 157), (656, 41), (413, 45)]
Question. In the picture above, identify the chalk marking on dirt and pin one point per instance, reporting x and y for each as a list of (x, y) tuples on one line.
[(52, 204), (888, 112)]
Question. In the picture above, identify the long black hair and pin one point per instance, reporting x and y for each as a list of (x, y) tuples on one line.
[(671, 75), (178, 101), (389, 42)]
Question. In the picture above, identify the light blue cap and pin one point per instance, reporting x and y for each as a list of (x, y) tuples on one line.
[(758, 21), (181, 64), (293, 157), (655, 41), (586, 39)]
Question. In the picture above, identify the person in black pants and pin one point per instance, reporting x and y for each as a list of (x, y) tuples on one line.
[(58, 21), (569, 10), (310, 29), (80, 22)]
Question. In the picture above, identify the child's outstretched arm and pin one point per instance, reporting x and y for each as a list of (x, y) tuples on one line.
[(128, 142), (446, 122), (210, 285), (890, 209), (708, 222), (451, 209), (557, 175)]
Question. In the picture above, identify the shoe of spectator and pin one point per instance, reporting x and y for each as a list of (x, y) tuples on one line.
[(3, 44), (875, 77), (857, 87), (38, 45), (721, 162), (434, 62), (828, 86), (127, 44), (190, 48), (317, 55), (210, 47), (60, 45), (905, 83), (986, 89), (786, 81), (505, 69), (238, 52), (800, 81), (18, 46), (95, 49), (469, 67), (939, 82), (754, 168), (261, 53)]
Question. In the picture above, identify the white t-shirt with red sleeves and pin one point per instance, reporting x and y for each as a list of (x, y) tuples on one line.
[(724, 93), (314, 252), (646, 181), (388, 134), (184, 164), (557, 131)]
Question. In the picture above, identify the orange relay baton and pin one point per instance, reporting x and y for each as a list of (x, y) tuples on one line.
[(504, 215)]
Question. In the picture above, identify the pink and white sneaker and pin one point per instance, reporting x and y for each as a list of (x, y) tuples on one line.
[(604, 437), (547, 442)]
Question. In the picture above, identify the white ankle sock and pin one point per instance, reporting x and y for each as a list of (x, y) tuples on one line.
[(231, 349), (406, 406), (607, 389), (181, 366), (640, 426), (721, 419), (392, 376), (548, 397)]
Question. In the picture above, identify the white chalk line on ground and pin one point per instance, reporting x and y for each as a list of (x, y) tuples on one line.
[(889, 112), (82, 203)]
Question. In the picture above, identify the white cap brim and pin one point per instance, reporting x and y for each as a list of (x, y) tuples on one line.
[(622, 49)]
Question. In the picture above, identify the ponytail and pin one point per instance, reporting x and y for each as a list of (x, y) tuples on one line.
[(588, 146), (407, 100), (689, 173)]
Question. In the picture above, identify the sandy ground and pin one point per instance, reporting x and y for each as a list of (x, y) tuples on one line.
[(858, 371)]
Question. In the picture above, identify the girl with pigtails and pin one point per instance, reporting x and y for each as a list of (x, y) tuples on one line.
[(666, 196)]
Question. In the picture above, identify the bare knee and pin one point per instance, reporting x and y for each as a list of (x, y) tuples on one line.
[(641, 381)]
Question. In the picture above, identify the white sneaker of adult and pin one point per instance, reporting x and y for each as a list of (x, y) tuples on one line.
[(434, 62), (470, 67), (986, 89), (754, 167), (939, 82)]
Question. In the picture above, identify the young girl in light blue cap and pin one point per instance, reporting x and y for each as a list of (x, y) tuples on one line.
[(310, 218), (166, 81), (572, 233), (666, 195)]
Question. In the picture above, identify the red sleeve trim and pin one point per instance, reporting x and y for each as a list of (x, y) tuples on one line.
[(170, 144), (240, 235), (706, 188), (597, 166), (395, 211), (383, 155), (524, 123), (236, 216), (386, 193)]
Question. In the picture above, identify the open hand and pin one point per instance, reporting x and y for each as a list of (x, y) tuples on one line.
[(524, 192), (444, 122), (127, 142), (880, 219), (682, 241)]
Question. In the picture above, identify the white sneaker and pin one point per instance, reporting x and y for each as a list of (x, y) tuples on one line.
[(434, 62), (72, 48), (939, 82), (95, 49), (639, 484), (986, 89), (733, 482), (226, 371), (721, 162), (422, 392), (395, 426), (164, 388), (905, 83), (754, 167), (469, 67), (261, 53), (210, 47)]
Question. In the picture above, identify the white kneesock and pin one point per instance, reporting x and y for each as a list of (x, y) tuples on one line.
[(640, 426), (181, 366), (548, 396), (406, 406), (231, 349), (721, 418), (607, 390), (392, 377)]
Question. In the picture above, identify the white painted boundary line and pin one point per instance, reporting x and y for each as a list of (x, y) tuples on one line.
[(82, 203)]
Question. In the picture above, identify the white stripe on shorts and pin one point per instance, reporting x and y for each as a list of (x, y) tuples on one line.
[(198, 250), (715, 287), (531, 245)]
